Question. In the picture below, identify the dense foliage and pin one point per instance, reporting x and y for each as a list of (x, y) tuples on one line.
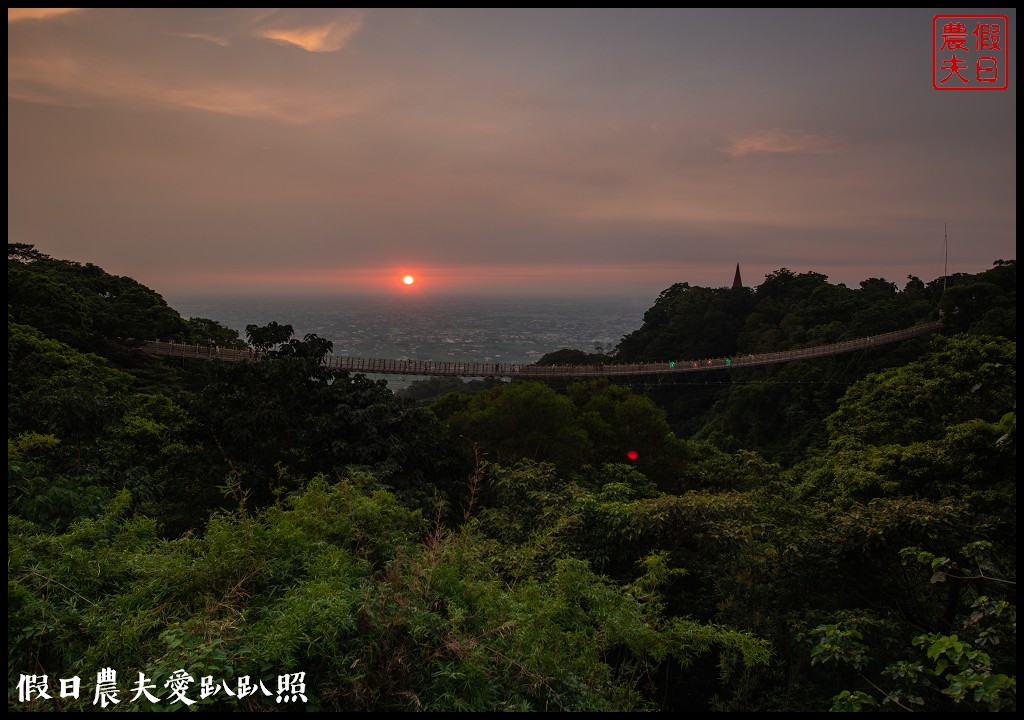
[(836, 534)]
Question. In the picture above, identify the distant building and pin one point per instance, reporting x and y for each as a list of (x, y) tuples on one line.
[(737, 282)]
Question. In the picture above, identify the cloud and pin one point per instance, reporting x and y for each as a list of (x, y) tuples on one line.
[(781, 141), (216, 40), (18, 14), (79, 74), (323, 38), (78, 81)]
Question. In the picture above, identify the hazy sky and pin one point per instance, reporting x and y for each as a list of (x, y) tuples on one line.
[(585, 151)]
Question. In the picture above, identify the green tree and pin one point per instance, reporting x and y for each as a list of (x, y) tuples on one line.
[(521, 420), (969, 670), (345, 585), (267, 337), (84, 306), (312, 347), (964, 378), (211, 332), (289, 416)]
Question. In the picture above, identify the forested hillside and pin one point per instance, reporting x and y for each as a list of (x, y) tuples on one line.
[(835, 534)]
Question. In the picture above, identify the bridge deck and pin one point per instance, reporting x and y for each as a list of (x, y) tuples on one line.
[(516, 370)]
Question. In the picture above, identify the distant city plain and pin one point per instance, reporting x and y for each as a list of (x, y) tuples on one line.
[(446, 329)]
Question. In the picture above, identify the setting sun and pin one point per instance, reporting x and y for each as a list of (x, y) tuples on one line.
[(408, 279)]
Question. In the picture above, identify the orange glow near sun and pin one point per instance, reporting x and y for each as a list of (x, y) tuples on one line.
[(408, 279)]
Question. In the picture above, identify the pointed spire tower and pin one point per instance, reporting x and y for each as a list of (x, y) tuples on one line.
[(737, 282)]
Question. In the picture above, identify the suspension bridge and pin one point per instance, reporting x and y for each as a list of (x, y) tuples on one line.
[(529, 371)]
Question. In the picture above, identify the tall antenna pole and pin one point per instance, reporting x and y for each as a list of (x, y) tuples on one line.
[(945, 252)]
